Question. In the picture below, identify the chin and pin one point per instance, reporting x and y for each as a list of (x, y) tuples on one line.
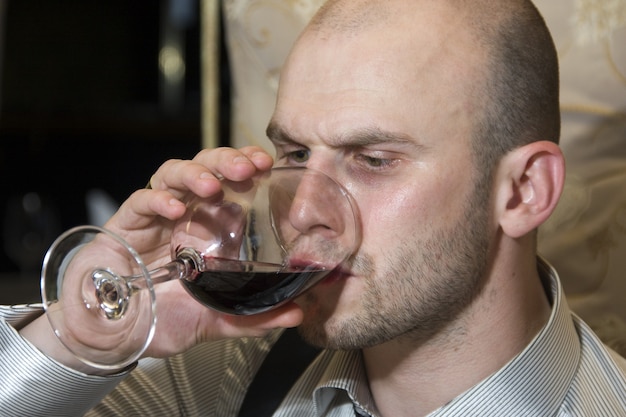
[(322, 328), (328, 310)]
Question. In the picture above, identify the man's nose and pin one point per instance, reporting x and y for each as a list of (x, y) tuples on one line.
[(319, 206), (319, 210)]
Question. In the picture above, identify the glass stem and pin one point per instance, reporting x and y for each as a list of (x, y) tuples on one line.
[(188, 261), (176, 269), (113, 291)]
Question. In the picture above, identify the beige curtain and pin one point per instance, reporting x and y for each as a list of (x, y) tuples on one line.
[(586, 238), (209, 24), (259, 34)]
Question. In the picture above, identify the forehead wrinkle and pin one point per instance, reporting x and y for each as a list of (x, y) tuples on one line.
[(277, 134), (360, 137), (370, 136)]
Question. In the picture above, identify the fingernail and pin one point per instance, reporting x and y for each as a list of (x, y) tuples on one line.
[(175, 202), (241, 159)]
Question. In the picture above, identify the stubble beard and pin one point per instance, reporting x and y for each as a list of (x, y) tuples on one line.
[(425, 287)]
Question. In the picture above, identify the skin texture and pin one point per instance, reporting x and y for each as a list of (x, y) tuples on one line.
[(451, 157), (390, 105), (410, 250)]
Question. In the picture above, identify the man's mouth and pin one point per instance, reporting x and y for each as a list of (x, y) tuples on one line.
[(337, 274)]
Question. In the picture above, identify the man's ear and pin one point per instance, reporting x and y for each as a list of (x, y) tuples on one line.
[(529, 181)]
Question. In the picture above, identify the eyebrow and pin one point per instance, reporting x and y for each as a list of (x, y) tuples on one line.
[(365, 136)]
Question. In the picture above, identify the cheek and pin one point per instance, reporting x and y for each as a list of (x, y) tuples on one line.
[(391, 216), (411, 210)]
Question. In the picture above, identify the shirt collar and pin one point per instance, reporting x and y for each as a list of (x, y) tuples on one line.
[(535, 382), (343, 380)]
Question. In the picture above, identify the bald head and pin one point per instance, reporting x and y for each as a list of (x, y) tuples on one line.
[(349, 16), (516, 83), (478, 75)]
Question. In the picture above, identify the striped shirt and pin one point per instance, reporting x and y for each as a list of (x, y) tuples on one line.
[(564, 371)]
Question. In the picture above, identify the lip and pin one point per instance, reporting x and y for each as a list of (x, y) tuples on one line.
[(306, 264), (337, 274)]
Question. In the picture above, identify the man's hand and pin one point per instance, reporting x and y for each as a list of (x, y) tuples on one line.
[(146, 220)]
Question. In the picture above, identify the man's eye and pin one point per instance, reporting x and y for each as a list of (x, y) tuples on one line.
[(376, 162), (301, 155)]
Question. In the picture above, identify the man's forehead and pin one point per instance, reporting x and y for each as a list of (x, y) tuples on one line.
[(403, 80)]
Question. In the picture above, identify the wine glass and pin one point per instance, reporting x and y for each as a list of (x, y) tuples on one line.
[(256, 245)]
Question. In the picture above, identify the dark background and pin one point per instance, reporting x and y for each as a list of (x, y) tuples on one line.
[(81, 109)]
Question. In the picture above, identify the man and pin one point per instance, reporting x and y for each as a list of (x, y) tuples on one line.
[(441, 118)]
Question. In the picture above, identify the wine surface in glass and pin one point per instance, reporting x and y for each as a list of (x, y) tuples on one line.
[(248, 287)]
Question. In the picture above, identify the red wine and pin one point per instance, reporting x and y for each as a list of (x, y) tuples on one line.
[(246, 287)]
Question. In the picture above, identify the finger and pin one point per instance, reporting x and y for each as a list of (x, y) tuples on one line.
[(180, 176), (208, 166), (259, 157), (288, 315), (235, 164), (143, 205)]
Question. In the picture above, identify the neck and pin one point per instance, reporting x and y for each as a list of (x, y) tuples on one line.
[(411, 377)]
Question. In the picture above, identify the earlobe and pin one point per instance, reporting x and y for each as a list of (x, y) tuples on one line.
[(529, 184)]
